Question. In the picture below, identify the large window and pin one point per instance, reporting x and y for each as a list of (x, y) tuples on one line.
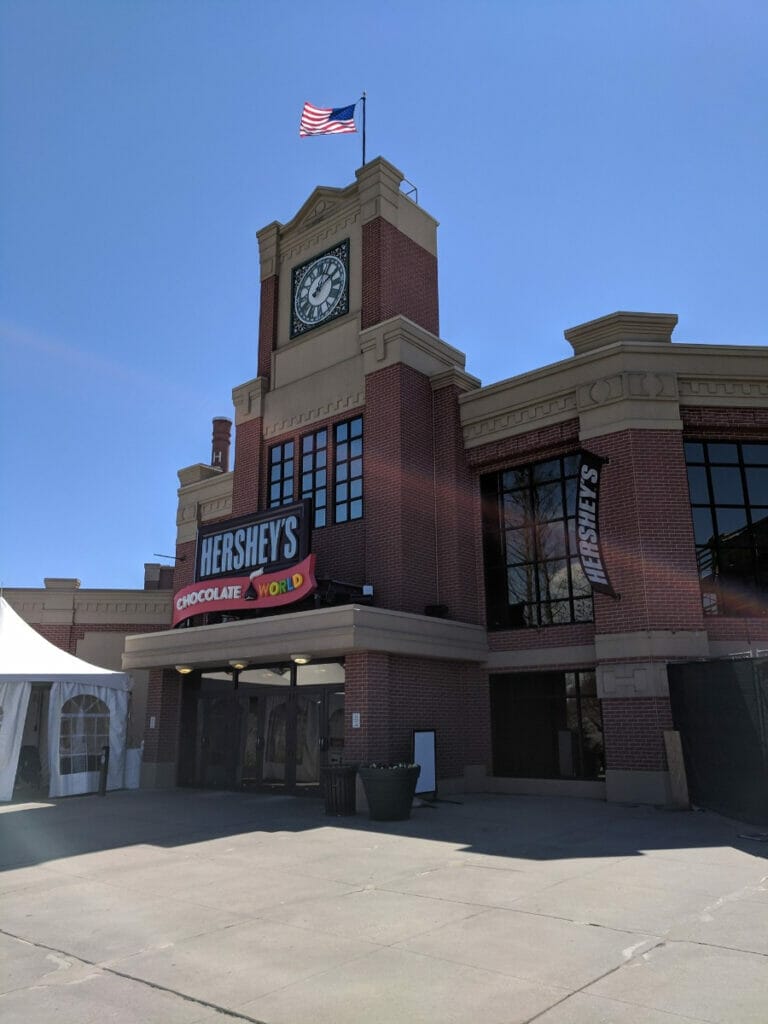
[(547, 725), (349, 470), (314, 474), (532, 573), (728, 485), (84, 731), (281, 474)]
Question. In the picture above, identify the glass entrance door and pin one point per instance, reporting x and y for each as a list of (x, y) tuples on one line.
[(217, 762), (290, 735), (274, 728)]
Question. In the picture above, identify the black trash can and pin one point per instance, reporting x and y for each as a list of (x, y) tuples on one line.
[(339, 782)]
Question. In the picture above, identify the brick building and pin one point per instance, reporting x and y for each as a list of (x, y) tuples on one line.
[(399, 548)]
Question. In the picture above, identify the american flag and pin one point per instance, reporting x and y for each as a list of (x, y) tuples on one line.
[(327, 120)]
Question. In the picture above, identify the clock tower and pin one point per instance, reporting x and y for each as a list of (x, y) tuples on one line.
[(348, 332)]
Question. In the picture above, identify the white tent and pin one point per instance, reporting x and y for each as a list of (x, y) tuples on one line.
[(87, 709)]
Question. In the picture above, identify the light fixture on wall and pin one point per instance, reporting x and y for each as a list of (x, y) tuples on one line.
[(301, 659), (238, 663), (183, 670)]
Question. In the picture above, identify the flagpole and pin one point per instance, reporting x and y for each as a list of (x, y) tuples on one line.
[(362, 98)]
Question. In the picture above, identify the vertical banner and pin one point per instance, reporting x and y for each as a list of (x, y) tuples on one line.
[(588, 524)]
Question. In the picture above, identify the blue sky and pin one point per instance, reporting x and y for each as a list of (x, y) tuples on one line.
[(582, 156)]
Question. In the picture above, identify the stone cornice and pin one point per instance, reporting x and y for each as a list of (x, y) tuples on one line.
[(201, 502), (620, 386), (399, 340), (248, 399), (723, 391), (325, 632), (199, 472), (459, 379), (91, 607), (637, 328)]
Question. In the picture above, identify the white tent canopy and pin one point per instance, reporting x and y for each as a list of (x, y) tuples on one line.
[(75, 723)]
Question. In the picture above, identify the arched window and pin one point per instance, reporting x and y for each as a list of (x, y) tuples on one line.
[(84, 731)]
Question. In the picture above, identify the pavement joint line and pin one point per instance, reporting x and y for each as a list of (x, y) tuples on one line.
[(594, 981), (131, 977), (716, 945)]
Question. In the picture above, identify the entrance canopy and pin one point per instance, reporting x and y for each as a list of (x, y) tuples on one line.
[(26, 658)]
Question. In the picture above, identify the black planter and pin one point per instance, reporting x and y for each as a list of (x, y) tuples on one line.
[(390, 791)]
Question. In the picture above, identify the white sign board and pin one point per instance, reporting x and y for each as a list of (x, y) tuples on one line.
[(424, 756)]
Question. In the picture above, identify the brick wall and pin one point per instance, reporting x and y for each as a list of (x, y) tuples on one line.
[(267, 325), (399, 278), (457, 511), (248, 468), (400, 489), (396, 694), (646, 533), (164, 705), (66, 637), (184, 571), (533, 446), (634, 733), (718, 424), (548, 637)]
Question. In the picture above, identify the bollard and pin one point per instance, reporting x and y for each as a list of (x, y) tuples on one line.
[(103, 770)]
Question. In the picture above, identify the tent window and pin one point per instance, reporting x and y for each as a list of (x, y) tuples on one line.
[(84, 731)]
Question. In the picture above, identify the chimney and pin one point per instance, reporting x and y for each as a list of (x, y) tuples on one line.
[(222, 429)]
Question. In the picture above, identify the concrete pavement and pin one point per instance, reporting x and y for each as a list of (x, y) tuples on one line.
[(189, 907)]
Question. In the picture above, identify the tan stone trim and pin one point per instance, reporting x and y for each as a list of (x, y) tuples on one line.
[(203, 502), (640, 787), (621, 386), (520, 418), (285, 417), (198, 473), (268, 238), (642, 328), (91, 607), (454, 377), (248, 400), (322, 234), (575, 656), (635, 679), (325, 632), (724, 392), (655, 645), (735, 648), (399, 340)]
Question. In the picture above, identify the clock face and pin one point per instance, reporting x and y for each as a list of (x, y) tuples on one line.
[(320, 289)]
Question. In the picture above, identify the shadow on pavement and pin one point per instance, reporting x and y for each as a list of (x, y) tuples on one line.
[(533, 828)]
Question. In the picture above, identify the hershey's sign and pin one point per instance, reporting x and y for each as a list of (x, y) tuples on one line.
[(268, 542), (587, 524)]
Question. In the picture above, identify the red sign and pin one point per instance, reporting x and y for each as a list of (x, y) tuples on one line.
[(259, 590)]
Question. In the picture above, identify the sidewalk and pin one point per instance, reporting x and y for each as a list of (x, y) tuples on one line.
[(190, 907)]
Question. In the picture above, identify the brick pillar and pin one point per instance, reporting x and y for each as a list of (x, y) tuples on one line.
[(267, 325), (648, 545), (366, 692), (399, 489), (247, 472), (161, 732), (399, 277), (457, 504), (645, 524)]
